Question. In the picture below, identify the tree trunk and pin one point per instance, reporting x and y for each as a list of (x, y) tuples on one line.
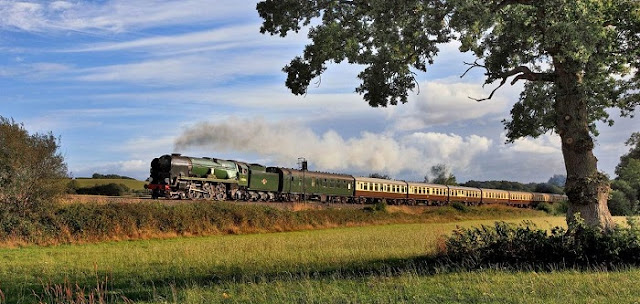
[(586, 188)]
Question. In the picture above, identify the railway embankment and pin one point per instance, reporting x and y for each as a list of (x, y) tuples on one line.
[(86, 222)]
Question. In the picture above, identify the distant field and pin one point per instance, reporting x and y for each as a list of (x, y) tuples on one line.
[(91, 182), (343, 265)]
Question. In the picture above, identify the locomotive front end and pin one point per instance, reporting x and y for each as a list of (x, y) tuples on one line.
[(164, 173)]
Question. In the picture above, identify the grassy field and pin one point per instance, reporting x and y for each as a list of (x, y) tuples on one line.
[(359, 264), (91, 182)]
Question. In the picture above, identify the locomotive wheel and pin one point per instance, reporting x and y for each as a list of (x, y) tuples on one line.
[(221, 192), (194, 194), (209, 192)]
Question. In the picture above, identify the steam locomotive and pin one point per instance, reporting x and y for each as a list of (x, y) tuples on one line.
[(180, 177)]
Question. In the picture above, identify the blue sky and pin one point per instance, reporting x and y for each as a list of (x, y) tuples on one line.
[(122, 82)]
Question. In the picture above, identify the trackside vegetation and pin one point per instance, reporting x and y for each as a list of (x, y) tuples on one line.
[(94, 222)]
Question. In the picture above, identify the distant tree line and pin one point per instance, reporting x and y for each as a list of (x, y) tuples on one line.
[(515, 186), (109, 176)]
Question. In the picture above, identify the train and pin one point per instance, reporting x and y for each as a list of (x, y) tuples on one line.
[(175, 176)]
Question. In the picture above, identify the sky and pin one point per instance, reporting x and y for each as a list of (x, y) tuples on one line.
[(121, 82)]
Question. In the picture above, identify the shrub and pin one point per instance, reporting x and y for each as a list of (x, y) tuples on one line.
[(525, 246), (32, 172), (381, 206), (111, 189), (561, 207), (619, 204), (459, 206), (546, 207)]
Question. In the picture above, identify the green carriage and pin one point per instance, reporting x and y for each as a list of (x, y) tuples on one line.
[(310, 185)]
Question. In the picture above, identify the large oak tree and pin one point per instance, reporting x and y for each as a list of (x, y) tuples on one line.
[(576, 57)]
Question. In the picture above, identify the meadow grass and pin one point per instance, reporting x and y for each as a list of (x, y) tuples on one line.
[(153, 270), (487, 286)]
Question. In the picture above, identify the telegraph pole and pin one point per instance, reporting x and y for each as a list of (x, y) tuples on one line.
[(302, 163)]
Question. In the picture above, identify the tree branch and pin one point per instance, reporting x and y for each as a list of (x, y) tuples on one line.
[(521, 72), (472, 65)]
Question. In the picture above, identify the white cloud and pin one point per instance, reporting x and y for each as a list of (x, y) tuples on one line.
[(131, 168), (445, 103), (230, 37), (224, 35), (285, 141), (163, 71), (544, 144), (115, 15), (207, 69), (60, 5), (27, 16), (145, 147), (34, 70)]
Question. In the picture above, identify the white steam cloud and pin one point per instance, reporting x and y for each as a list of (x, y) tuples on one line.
[(285, 141)]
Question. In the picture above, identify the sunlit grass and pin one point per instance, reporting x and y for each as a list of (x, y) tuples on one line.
[(332, 265), (468, 287)]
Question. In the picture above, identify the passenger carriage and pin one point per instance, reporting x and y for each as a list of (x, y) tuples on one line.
[(558, 198), (372, 190), (429, 194), (465, 195), (494, 196), (541, 198), (520, 199)]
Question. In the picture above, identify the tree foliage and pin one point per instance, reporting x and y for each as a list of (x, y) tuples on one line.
[(517, 39), (32, 171), (625, 196), (440, 174), (634, 153), (378, 175)]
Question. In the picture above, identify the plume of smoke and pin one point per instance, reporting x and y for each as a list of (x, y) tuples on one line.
[(285, 141)]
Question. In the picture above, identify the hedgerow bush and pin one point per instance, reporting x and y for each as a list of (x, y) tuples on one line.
[(459, 206), (546, 207), (525, 246), (110, 189), (87, 222)]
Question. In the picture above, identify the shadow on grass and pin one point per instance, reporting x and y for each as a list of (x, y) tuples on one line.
[(165, 288)]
